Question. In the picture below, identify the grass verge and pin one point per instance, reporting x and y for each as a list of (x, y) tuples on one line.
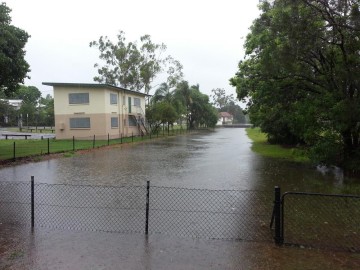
[(14, 149), (262, 147)]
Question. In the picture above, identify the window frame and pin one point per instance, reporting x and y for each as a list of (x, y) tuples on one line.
[(79, 101), (133, 121), (77, 126), (137, 100), (113, 99), (117, 122)]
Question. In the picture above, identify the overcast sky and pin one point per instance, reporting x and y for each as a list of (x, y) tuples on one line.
[(205, 36)]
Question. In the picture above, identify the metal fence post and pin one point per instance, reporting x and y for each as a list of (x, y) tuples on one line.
[(48, 145), (94, 142), (32, 203), (73, 143), (277, 215), (108, 139), (147, 207), (132, 136), (14, 156)]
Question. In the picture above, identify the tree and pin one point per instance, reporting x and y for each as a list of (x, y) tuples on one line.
[(30, 96), (198, 110), (163, 107), (46, 107), (7, 114), (168, 106), (301, 76), (220, 99), (236, 111), (161, 113), (135, 67), (13, 67)]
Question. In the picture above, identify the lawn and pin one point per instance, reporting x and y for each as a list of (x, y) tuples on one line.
[(262, 147), (10, 149)]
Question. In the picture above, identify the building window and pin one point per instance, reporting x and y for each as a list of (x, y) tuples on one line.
[(79, 98), (114, 122), (132, 121), (80, 122), (137, 102), (113, 99)]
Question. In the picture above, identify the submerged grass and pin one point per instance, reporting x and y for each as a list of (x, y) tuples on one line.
[(12, 149), (262, 147)]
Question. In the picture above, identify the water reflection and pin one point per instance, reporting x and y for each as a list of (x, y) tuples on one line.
[(215, 160)]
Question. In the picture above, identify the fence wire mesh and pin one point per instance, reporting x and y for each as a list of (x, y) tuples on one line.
[(15, 205), (112, 209), (322, 221), (216, 214), (315, 220), (175, 211)]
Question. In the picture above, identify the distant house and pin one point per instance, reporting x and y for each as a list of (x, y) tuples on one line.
[(15, 103), (85, 110), (225, 118)]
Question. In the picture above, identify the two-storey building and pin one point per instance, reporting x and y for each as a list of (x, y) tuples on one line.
[(83, 110)]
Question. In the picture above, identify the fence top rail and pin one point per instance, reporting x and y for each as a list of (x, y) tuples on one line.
[(130, 186), (69, 185), (320, 194), (208, 189)]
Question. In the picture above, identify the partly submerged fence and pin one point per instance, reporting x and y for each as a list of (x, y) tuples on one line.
[(218, 214), (12, 149), (317, 220), (314, 220)]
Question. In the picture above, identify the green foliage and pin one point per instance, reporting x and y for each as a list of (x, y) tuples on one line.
[(13, 67), (46, 112), (301, 77), (220, 99), (261, 146), (134, 67), (7, 114), (236, 111), (168, 106), (28, 94)]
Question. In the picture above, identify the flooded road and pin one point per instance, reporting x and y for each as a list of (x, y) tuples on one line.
[(216, 160), (221, 159)]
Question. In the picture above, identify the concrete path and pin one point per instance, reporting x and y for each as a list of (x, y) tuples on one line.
[(36, 136)]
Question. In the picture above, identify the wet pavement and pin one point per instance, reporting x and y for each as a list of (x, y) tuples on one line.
[(55, 249)]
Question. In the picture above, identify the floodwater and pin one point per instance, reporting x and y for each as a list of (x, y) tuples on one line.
[(220, 159)]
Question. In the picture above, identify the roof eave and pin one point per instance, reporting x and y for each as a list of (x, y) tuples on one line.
[(93, 85)]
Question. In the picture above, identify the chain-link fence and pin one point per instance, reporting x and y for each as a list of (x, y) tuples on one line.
[(176, 211), (322, 221), (220, 214), (15, 203), (314, 220), (12, 148)]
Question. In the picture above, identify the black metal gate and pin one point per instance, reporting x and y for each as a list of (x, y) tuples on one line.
[(317, 220)]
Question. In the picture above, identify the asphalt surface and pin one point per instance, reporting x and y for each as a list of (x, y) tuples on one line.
[(36, 136)]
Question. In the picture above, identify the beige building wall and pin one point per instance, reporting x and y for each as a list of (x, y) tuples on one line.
[(99, 110)]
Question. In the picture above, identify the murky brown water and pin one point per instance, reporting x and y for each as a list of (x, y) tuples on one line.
[(213, 160)]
